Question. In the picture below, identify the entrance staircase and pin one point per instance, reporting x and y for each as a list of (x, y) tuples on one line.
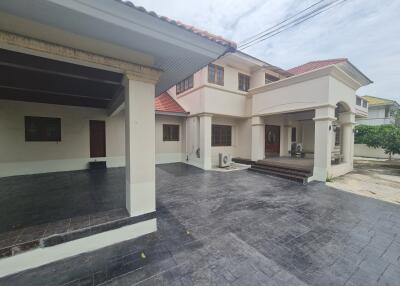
[(278, 169)]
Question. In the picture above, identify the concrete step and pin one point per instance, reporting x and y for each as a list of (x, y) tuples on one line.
[(243, 161), (290, 171), (292, 177), (284, 166)]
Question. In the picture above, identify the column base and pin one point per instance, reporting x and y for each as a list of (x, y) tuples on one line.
[(140, 198)]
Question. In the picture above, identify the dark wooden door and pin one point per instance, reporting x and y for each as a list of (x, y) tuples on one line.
[(272, 140), (97, 138)]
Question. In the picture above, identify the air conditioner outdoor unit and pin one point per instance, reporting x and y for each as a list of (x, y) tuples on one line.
[(224, 160)]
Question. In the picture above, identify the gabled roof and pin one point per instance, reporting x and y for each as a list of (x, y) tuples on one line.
[(165, 103), (315, 65), (202, 33), (372, 100), (343, 63)]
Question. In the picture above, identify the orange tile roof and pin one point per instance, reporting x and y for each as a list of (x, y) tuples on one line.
[(315, 65), (202, 33), (165, 103)]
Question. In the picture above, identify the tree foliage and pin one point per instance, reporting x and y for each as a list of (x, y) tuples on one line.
[(386, 137)]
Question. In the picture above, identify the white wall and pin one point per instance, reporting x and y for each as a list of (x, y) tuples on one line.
[(297, 96), (170, 151), (362, 150), (18, 157), (231, 150), (72, 153)]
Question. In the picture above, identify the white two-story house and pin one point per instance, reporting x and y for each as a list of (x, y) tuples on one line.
[(249, 109)]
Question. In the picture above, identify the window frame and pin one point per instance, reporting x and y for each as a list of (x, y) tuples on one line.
[(216, 72), (221, 139), (43, 126), (169, 128), (270, 78), (185, 84), (245, 80)]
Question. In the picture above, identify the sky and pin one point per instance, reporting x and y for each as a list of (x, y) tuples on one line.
[(367, 32)]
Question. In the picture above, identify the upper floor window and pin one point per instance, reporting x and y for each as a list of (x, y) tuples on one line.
[(42, 129), (184, 85), (244, 82), (170, 132), (270, 78), (221, 135), (215, 74)]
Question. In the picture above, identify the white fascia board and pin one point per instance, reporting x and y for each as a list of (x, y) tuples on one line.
[(140, 22)]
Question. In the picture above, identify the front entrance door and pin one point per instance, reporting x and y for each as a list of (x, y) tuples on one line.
[(272, 140), (97, 138)]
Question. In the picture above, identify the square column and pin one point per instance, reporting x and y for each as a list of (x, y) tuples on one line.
[(347, 122), (257, 138), (323, 142), (139, 145), (205, 140)]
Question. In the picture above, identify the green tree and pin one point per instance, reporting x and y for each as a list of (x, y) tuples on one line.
[(386, 137)]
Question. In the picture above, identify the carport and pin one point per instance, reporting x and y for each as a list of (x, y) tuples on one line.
[(63, 84)]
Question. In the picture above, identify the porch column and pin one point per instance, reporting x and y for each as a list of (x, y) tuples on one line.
[(323, 142), (139, 144), (347, 121), (257, 138), (205, 140)]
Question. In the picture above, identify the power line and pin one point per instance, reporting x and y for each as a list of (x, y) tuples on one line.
[(280, 23), (291, 24), (288, 25)]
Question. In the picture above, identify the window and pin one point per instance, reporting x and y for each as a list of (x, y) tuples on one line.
[(293, 134), (244, 82), (358, 101), (387, 111), (337, 136), (270, 78), (184, 85), (42, 129), (221, 135), (170, 132), (215, 74)]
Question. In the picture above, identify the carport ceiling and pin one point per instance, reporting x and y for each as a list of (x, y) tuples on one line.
[(30, 78)]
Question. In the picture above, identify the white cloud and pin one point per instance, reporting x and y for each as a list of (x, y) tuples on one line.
[(366, 32)]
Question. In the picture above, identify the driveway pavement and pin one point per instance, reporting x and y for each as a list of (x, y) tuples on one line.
[(243, 228), (375, 178)]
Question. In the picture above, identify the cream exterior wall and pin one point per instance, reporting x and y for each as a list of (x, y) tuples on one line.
[(18, 157), (298, 96), (170, 151), (72, 153)]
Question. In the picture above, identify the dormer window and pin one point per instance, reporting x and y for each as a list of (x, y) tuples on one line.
[(215, 74), (244, 82), (270, 78), (184, 85)]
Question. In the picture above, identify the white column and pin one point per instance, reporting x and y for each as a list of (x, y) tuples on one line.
[(139, 145), (323, 142), (257, 138), (347, 121), (205, 140)]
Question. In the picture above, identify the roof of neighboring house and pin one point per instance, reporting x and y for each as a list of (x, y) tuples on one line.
[(202, 33), (372, 100), (315, 65), (165, 103)]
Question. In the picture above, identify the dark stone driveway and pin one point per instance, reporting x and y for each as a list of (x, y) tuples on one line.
[(243, 228)]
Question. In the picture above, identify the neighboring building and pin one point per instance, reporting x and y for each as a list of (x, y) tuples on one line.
[(380, 111)]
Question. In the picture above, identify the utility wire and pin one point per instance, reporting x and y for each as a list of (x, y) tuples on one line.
[(291, 24), (278, 24), (288, 25)]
